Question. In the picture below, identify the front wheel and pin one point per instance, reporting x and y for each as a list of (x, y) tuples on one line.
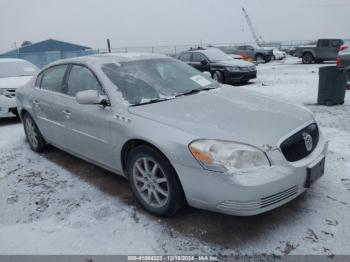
[(35, 139), (218, 76), (154, 182), (307, 58)]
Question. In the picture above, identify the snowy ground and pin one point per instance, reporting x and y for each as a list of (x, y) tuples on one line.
[(55, 203)]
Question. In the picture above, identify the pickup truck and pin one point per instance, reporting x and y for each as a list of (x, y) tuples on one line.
[(325, 50)]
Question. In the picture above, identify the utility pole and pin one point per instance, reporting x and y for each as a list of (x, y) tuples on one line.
[(109, 46)]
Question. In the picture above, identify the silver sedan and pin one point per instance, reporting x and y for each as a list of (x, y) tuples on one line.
[(178, 136)]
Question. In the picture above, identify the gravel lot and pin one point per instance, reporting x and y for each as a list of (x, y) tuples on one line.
[(54, 203)]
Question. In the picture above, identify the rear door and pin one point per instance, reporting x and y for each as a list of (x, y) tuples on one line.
[(46, 103), (88, 125)]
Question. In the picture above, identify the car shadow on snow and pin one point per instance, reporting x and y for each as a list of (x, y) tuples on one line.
[(213, 228), (9, 121), (233, 231), (100, 178)]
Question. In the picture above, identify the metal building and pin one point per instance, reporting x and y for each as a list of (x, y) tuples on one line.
[(47, 51)]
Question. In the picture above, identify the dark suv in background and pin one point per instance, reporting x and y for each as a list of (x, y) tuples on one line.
[(222, 67)]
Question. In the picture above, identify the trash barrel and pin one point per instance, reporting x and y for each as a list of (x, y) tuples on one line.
[(332, 85)]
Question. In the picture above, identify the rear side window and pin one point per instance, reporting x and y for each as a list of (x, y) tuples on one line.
[(186, 57), (81, 79), (324, 43), (53, 77)]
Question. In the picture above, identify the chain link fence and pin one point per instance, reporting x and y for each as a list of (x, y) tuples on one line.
[(41, 59)]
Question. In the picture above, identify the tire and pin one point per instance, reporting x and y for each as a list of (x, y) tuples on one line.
[(146, 165), (35, 139), (307, 58), (260, 59), (218, 76)]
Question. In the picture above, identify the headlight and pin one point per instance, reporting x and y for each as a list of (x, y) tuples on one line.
[(233, 68), (224, 156)]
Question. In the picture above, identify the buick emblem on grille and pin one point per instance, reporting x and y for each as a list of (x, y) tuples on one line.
[(308, 141)]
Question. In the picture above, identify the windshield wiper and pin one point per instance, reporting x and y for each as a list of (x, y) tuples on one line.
[(152, 101), (195, 91)]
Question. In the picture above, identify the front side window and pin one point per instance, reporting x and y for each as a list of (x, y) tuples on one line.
[(53, 77), (139, 81), (215, 55), (197, 57), (81, 79)]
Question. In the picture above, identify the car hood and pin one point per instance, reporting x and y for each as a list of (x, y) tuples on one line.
[(234, 62), (14, 82), (229, 113)]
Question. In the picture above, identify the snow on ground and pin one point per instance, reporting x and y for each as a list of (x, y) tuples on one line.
[(54, 203)]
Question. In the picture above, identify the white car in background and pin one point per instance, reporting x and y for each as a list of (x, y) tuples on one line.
[(278, 54), (14, 73)]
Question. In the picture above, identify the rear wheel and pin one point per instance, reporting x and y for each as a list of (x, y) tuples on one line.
[(218, 76), (154, 181), (307, 58), (34, 137)]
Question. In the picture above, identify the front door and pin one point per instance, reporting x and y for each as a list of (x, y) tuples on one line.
[(200, 62), (88, 125)]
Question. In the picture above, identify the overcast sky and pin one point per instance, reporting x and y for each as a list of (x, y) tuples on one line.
[(169, 22)]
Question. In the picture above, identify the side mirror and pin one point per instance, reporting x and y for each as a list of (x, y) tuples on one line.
[(204, 62), (91, 97)]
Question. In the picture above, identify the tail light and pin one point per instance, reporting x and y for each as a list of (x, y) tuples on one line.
[(337, 61), (342, 48)]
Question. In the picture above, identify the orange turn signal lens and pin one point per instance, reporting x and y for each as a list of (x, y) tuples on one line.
[(200, 155)]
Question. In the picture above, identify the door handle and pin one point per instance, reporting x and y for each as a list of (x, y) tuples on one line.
[(67, 113)]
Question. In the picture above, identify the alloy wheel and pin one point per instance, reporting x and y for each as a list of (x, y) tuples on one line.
[(31, 132), (151, 182)]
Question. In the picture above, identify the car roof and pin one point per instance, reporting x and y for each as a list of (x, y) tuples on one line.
[(109, 58), (205, 51)]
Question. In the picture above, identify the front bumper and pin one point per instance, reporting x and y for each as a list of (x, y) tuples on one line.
[(8, 106), (237, 77), (251, 193)]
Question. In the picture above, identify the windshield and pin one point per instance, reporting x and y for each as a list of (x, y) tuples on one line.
[(155, 79), (217, 55), (16, 68)]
